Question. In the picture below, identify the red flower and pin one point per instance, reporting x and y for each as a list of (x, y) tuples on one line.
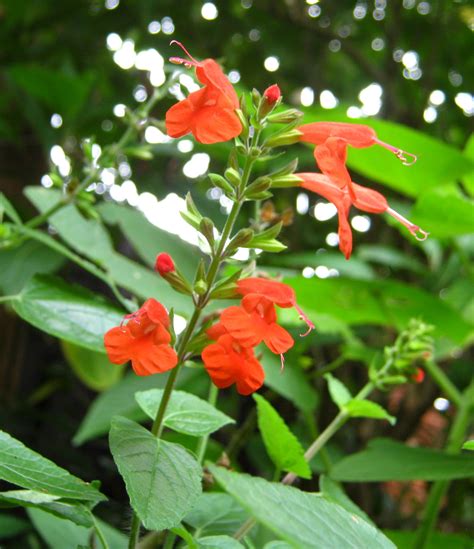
[(145, 340), (363, 198), (164, 264), (272, 94), (227, 362), (208, 113), (356, 135), (418, 376)]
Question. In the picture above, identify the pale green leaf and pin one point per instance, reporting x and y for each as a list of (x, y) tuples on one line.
[(282, 446), (300, 518), (340, 394), (185, 413), (219, 542), (367, 408), (163, 480), (468, 445)]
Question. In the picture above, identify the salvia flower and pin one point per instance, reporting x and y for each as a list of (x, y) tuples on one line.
[(356, 135), (144, 340), (363, 198), (164, 264), (208, 113)]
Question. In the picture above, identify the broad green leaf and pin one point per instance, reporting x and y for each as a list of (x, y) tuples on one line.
[(185, 413), (438, 163), (340, 394), (119, 400), (290, 383), (405, 539), (469, 445), (66, 311), (300, 518), (7, 207), (11, 526), (367, 408), (278, 545), (385, 459), (219, 542), (334, 491), (389, 257), (444, 213), (281, 444), (25, 468), (77, 512), (148, 240), (468, 179), (216, 513), (92, 368), (380, 302), (18, 265), (58, 532), (163, 480)]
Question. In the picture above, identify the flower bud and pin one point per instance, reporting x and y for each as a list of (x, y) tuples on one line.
[(418, 376), (285, 138), (285, 117), (272, 94), (164, 264)]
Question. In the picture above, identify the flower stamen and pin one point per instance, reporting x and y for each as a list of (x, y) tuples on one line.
[(191, 62), (414, 229), (399, 153)]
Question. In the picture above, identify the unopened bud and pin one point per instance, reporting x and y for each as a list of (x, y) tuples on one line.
[(244, 122), (289, 180), (164, 264), (222, 183), (207, 229), (286, 138), (272, 94), (200, 287), (285, 117), (418, 376), (232, 176), (243, 237), (271, 98)]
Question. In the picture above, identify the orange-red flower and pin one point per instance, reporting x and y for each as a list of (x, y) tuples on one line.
[(208, 113), (362, 198), (145, 340), (228, 362), (356, 135)]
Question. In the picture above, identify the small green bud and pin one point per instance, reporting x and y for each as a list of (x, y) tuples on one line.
[(200, 287), (245, 124), (286, 138), (222, 183), (285, 117), (207, 229), (289, 180), (259, 186), (233, 176), (240, 239)]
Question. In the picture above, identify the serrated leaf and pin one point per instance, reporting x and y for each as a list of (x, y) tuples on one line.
[(77, 513), (185, 413), (66, 311), (23, 467), (468, 445), (163, 480), (340, 394), (300, 518), (282, 446), (367, 408), (385, 459)]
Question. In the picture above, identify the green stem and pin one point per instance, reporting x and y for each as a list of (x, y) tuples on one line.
[(5, 298), (134, 532), (444, 383), (100, 534), (439, 488), (202, 444)]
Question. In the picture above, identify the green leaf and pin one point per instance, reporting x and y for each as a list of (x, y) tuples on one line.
[(11, 526), (68, 312), (282, 446), (305, 519), (219, 542), (389, 257), (438, 540), (381, 302), (77, 512), (163, 480), (438, 163), (19, 264), (468, 179), (340, 394), (468, 445), (444, 213), (333, 490), (216, 513), (385, 459), (93, 369), (58, 532), (291, 383), (276, 544), (119, 400), (367, 408), (25, 468), (185, 413), (7, 207)]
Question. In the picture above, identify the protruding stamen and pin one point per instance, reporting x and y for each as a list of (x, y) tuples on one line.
[(311, 326), (180, 61), (399, 153), (193, 61), (414, 229), (128, 317), (282, 361)]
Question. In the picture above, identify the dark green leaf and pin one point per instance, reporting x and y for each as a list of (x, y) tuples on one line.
[(305, 519), (333, 490), (68, 312), (386, 459), (25, 468), (438, 540), (11, 526), (163, 480), (282, 446), (185, 413)]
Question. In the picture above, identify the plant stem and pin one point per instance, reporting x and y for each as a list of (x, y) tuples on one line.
[(134, 531), (202, 444), (444, 383), (5, 298), (100, 534), (439, 488)]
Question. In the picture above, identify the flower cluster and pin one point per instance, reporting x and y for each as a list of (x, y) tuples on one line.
[(242, 327), (144, 340)]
